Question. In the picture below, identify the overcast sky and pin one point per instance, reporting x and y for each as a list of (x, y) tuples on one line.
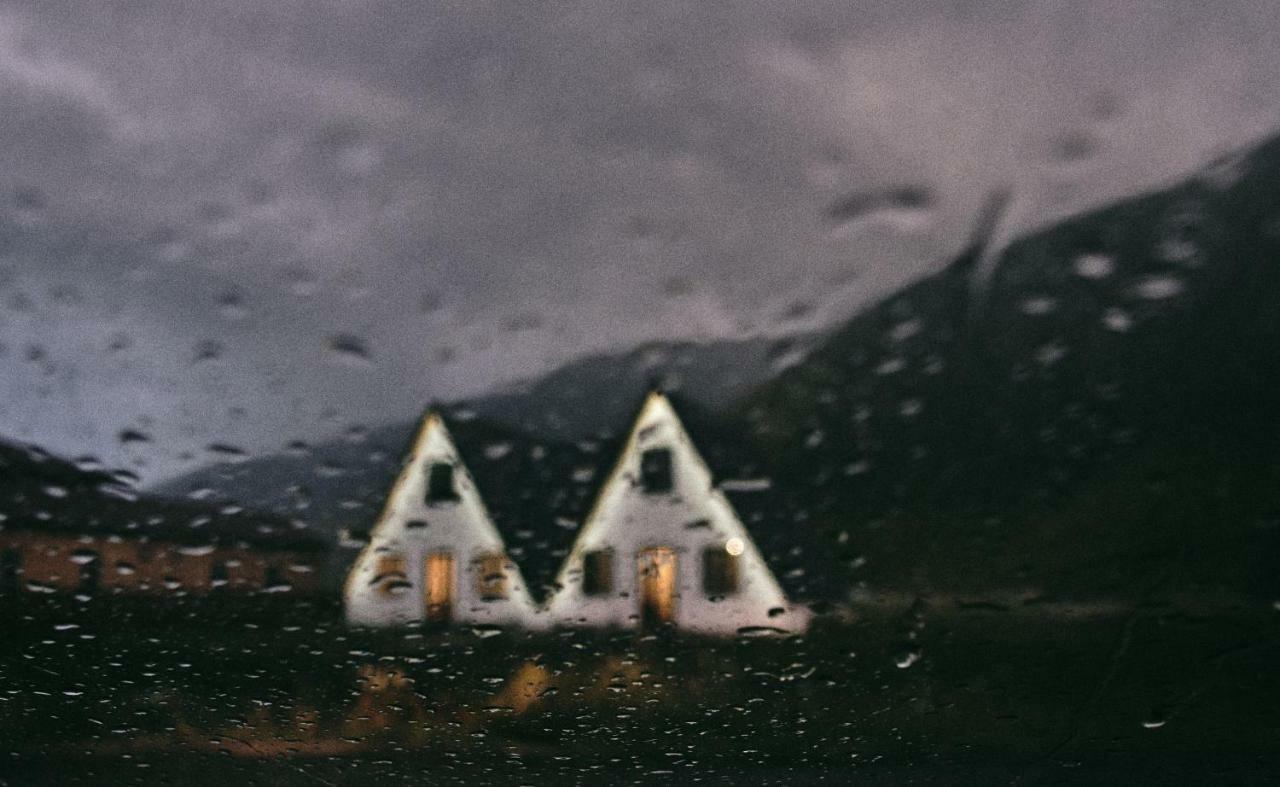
[(244, 222)]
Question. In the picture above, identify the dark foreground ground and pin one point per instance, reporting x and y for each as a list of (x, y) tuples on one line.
[(912, 690)]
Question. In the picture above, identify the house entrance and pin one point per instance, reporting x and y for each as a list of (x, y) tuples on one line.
[(437, 587), (656, 578)]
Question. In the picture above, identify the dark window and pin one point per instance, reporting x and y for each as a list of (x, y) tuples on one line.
[(90, 570), (597, 572), (655, 471), (219, 574), (274, 578), (10, 569), (440, 488), (719, 572)]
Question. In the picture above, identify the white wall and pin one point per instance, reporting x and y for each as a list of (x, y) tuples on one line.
[(628, 520), (462, 528)]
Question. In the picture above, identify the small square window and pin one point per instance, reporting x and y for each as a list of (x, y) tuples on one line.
[(655, 471), (219, 574), (597, 572), (391, 575), (719, 572), (440, 484), (491, 577)]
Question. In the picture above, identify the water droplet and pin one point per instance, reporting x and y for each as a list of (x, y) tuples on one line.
[(226, 451), (525, 321), (1049, 354), (905, 330), (495, 451), (1117, 320), (29, 205), (906, 658), (127, 436), (1073, 146), (891, 366), (208, 350), (1155, 288), (1094, 266), (349, 348), (674, 286), (231, 305), (906, 208), (1180, 238), (1038, 306)]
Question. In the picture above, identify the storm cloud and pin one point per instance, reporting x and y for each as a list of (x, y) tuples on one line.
[(244, 223)]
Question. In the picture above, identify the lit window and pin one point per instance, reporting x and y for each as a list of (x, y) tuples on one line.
[(491, 577), (655, 471), (440, 486), (720, 571), (597, 572), (391, 575)]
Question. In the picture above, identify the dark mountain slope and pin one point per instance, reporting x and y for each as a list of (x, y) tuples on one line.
[(1102, 400)]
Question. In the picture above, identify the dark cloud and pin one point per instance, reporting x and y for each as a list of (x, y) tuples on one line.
[(471, 191)]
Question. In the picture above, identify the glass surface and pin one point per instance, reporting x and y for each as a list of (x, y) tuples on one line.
[(639, 392)]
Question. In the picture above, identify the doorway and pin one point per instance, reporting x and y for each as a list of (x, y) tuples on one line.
[(437, 587), (656, 575)]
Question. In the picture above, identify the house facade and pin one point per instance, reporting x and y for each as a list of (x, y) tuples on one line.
[(434, 555), (662, 546)]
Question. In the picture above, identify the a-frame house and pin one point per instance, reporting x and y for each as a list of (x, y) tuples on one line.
[(434, 554), (663, 546)]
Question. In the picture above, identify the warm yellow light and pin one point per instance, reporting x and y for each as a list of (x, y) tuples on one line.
[(734, 546)]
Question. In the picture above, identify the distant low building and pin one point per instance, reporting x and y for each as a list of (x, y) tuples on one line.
[(67, 531)]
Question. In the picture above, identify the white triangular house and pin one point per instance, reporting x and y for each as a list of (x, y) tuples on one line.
[(663, 545), (434, 554)]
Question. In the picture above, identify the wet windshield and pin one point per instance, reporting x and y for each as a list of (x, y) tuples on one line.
[(642, 392)]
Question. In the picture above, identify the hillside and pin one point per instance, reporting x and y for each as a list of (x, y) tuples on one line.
[(1069, 397)]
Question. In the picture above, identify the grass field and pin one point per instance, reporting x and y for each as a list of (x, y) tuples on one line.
[(113, 690)]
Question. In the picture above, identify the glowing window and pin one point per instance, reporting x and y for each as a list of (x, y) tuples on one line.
[(491, 577), (391, 575)]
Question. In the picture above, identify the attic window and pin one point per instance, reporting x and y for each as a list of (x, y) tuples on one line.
[(655, 471), (719, 571), (440, 487), (597, 572), (491, 577)]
